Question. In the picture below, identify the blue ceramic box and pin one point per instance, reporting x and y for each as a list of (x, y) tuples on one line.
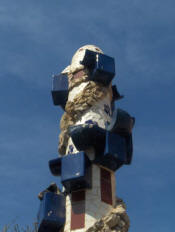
[(104, 70), (76, 172), (55, 166), (122, 122), (102, 67), (60, 90), (51, 215), (115, 152), (87, 135)]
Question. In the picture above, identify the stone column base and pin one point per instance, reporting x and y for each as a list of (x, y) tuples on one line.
[(115, 221)]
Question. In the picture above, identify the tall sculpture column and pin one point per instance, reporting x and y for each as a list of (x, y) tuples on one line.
[(94, 142), (89, 105)]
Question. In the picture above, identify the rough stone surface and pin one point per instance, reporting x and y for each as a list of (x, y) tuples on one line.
[(115, 221)]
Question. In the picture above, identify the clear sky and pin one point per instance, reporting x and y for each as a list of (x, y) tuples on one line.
[(38, 39)]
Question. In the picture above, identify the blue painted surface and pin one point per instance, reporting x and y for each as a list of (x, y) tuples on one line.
[(76, 172), (102, 67), (114, 154), (60, 90), (71, 149), (122, 122), (51, 215), (91, 122), (104, 70), (85, 136), (55, 166)]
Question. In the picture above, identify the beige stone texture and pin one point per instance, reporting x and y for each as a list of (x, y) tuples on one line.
[(116, 220), (91, 93), (76, 90), (86, 104)]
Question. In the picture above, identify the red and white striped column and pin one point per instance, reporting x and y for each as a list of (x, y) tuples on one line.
[(85, 207)]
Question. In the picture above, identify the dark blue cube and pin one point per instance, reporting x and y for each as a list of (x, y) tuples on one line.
[(115, 152), (55, 166), (104, 70), (102, 67), (115, 94), (60, 90), (76, 172), (87, 135), (122, 123), (51, 215)]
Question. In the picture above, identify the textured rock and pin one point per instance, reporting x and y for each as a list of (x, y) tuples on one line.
[(116, 221)]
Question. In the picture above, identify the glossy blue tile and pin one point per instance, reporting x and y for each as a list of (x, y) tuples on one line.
[(76, 172), (102, 67), (60, 90), (55, 166), (51, 215)]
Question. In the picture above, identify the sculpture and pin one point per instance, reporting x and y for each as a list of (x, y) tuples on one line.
[(95, 138)]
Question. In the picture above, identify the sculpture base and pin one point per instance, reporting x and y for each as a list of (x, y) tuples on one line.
[(115, 221)]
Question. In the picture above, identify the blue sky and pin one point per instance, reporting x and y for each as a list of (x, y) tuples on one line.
[(38, 39)]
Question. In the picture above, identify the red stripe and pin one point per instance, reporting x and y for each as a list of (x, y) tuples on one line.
[(106, 186), (78, 210)]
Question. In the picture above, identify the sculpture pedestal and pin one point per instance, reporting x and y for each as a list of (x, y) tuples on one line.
[(85, 207), (116, 220)]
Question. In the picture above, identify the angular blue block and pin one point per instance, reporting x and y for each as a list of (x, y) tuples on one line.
[(60, 90), (55, 166), (115, 152), (51, 215), (87, 135), (122, 123), (115, 93), (76, 172), (102, 67), (104, 70)]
